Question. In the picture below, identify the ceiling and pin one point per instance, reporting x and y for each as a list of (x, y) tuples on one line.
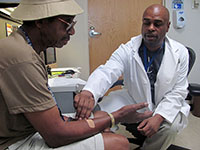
[(8, 3)]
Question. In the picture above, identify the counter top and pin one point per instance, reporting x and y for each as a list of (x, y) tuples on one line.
[(63, 84)]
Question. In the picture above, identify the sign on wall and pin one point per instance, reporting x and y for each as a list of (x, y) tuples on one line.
[(177, 4)]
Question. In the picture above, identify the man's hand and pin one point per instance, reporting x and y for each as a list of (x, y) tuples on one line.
[(84, 104), (150, 126), (129, 114)]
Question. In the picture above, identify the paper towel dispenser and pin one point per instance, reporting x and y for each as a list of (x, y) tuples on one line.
[(179, 19)]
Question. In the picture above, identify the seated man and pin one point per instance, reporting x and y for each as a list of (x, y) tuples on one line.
[(29, 116), (154, 68)]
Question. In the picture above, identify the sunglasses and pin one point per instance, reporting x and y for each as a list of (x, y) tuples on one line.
[(69, 25)]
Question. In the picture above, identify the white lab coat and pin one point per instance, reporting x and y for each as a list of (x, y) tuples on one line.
[(170, 86)]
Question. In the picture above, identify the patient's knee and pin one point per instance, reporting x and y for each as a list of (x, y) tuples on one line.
[(115, 141)]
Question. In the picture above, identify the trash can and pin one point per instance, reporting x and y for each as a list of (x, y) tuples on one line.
[(196, 106), (194, 91)]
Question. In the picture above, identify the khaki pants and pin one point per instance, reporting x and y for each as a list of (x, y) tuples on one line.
[(165, 135), (36, 142)]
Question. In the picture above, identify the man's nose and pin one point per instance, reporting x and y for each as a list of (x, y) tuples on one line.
[(71, 31), (151, 27)]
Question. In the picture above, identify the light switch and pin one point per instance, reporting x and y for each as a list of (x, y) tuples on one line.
[(195, 4)]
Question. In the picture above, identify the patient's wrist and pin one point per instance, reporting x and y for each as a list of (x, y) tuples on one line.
[(112, 119)]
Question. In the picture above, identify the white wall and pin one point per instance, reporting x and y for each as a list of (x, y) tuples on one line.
[(189, 35), (76, 53)]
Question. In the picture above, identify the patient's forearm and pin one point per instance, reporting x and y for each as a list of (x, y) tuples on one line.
[(84, 128), (57, 132)]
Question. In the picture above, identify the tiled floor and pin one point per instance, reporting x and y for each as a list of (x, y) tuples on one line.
[(188, 138)]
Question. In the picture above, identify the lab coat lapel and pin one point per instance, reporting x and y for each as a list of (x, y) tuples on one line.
[(144, 81), (166, 72)]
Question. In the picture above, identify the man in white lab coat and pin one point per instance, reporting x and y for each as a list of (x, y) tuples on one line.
[(154, 69)]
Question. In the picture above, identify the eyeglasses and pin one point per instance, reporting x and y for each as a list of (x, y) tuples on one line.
[(70, 25)]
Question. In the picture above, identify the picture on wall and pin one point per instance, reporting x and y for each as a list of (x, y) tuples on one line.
[(10, 28)]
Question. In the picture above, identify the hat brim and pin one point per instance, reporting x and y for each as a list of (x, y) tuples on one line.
[(35, 12)]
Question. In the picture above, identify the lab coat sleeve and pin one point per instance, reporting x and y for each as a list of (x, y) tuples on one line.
[(106, 75), (173, 101)]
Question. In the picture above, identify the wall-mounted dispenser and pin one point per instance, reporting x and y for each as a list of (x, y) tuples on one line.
[(178, 19)]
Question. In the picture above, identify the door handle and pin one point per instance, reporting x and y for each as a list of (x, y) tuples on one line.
[(93, 33)]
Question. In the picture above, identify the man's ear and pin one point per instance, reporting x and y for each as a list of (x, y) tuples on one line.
[(38, 23), (168, 25)]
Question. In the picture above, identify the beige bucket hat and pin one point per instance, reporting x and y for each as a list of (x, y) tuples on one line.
[(39, 9)]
